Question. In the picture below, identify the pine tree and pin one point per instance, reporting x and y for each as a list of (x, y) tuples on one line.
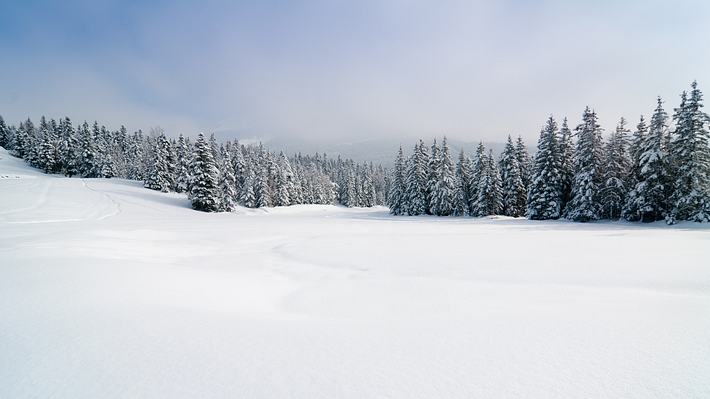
[(262, 193), (616, 171), (227, 189), (284, 183), (69, 148), (464, 180), (182, 166), (477, 168), (443, 194), (690, 151), (247, 195), (524, 162), (416, 181), (648, 201), (585, 204), (159, 177), (204, 192), (433, 177), (636, 149), (396, 199), (514, 197), (89, 164), (545, 193), (489, 188), (46, 157), (4, 135), (566, 156)]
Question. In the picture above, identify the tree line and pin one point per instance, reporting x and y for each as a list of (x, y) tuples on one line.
[(660, 172), (215, 176)]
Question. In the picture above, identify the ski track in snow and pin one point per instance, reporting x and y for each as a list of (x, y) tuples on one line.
[(110, 290)]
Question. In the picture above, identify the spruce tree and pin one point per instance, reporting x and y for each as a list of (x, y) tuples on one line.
[(205, 192), (690, 151), (545, 193), (4, 135), (477, 168), (514, 197), (443, 194), (489, 188), (416, 181), (396, 199), (566, 156), (47, 160), (182, 166), (464, 180), (69, 148), (636, 149), (262, 192), (616, 171), (227, 186), (524, 162), (433, 176), (648, 201), (586, 204), (159, 176), (89, 164), (247, 195)]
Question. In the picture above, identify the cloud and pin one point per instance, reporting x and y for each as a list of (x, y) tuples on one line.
[(471, 70)]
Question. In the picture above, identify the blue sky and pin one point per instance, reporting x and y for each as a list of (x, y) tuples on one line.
[(348, 69)]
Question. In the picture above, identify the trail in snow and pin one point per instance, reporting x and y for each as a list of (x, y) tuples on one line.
[(110, 290)]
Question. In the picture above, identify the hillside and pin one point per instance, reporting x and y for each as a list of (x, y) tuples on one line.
[(110, 290)]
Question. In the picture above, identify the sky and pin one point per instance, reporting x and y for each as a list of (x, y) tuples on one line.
[(348, 70)]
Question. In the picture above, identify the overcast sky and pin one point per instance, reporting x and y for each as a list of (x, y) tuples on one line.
[(348, 70)]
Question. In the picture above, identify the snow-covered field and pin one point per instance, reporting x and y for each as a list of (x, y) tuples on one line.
[(109, 290)]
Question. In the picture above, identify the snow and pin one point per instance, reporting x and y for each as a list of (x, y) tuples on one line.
[(110, 290)]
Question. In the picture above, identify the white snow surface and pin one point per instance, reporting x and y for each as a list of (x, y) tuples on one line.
[(110, 290)]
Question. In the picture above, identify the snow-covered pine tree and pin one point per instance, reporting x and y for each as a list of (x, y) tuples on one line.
[(368, 190), (396, 198), (247, 195), (4, 135), (524, 162), (182, 166), (416, 181), (89, 164), (68, 148), (282, 194), (464, 180), (47, 160), (477, 167), (636, 149), (585, 205), (262, 192), (227, 188), (514, 197), (159, 176), (443, 195), (205, 192), (545, 193), (106, 151), (239, 165), (433, 177), (648, 201), (616, 171), (690, 152), (489, 188), (566, 156)]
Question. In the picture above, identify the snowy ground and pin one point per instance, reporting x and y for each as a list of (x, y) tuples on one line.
[(109, 290)]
